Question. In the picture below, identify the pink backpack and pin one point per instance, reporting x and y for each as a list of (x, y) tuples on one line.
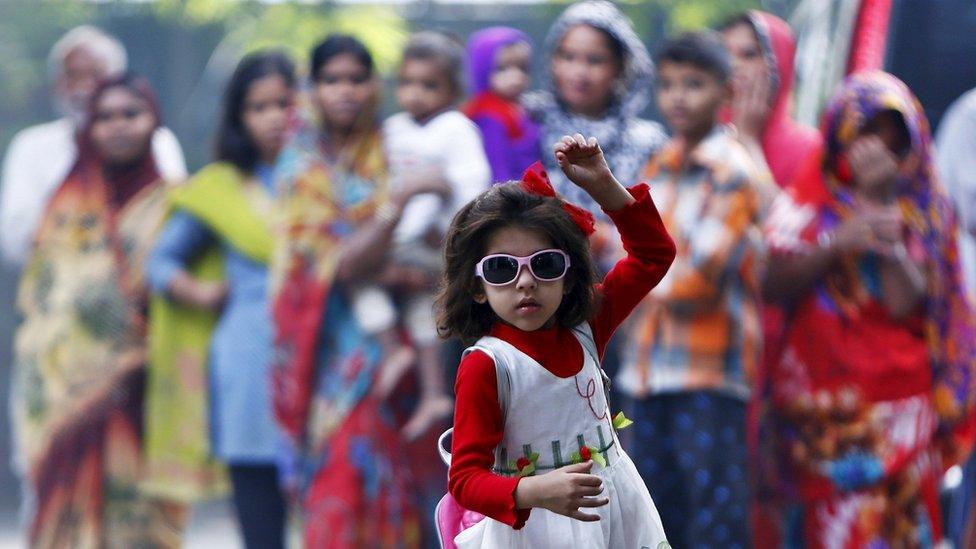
[(450, 518)]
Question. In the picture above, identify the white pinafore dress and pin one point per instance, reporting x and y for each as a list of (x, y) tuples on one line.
[(556, 417)]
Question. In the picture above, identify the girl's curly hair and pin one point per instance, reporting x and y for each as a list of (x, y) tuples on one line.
[(508, 205)]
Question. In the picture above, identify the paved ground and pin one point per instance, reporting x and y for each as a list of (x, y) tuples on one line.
[(211, 527)]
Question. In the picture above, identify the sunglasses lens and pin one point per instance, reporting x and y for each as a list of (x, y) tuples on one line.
[(548, 265), (499, 270)]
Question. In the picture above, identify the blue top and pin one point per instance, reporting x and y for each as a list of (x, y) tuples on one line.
[(243, 429)]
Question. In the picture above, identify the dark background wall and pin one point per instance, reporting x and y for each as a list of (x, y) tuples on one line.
[(932, 47)]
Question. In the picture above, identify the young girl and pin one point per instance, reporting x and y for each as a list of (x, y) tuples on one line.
[(499, 60), (532, 426), (210, 314)]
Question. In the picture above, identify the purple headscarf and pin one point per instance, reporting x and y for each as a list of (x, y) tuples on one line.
[(482, 48)]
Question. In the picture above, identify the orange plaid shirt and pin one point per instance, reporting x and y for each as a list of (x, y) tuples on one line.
[(699, 328)]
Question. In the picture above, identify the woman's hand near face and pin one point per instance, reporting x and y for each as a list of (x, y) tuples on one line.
[(874, 167), (564, 491), (751, 105)]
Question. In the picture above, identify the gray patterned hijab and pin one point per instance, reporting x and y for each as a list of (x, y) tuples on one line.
[(627, 141)]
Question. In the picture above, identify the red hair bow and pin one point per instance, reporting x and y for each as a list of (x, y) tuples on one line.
[(536, 181)]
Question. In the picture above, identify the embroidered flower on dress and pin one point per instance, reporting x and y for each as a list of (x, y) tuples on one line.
[(525, 466), (586, 453)]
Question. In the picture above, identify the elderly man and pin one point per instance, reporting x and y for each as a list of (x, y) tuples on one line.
[(40, 157)]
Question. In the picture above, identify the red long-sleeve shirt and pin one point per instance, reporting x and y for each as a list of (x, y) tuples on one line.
[(478, 426)]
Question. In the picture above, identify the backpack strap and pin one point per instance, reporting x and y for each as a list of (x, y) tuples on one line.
[(503, 383), (585, 335), (503, 379)]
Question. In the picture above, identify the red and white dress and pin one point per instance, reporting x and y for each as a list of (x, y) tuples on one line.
[(537, 398), (551, 419)]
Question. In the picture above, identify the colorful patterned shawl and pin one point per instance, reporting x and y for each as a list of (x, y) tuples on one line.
[(950, 327), (80, 355), (321, 201)]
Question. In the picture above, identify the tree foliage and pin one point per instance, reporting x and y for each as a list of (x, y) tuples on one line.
[(294, 27), (189, 47)]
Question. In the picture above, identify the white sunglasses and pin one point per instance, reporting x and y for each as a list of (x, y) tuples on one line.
[(502, 269)]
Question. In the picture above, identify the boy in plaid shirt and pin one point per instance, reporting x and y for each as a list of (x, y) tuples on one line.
[(697, 338)]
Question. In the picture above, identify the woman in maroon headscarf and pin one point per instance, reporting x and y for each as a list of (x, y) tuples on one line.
[(762, 47), (80, 352)]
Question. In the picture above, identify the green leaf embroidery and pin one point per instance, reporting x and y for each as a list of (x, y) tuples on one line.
[(597, 457), (620, 421)]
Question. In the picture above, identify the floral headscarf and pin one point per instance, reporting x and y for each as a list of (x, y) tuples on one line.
[(950, 328), (627, 140)]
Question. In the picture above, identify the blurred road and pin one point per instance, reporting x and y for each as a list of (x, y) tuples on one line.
[(211, 527)]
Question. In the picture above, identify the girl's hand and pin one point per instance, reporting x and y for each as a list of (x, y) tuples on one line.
[(584, 164), (563, 491)]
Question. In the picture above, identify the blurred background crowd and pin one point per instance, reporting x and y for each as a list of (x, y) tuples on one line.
[(220, 227)]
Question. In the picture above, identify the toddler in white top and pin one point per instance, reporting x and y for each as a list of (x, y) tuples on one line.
[(431, 140)]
